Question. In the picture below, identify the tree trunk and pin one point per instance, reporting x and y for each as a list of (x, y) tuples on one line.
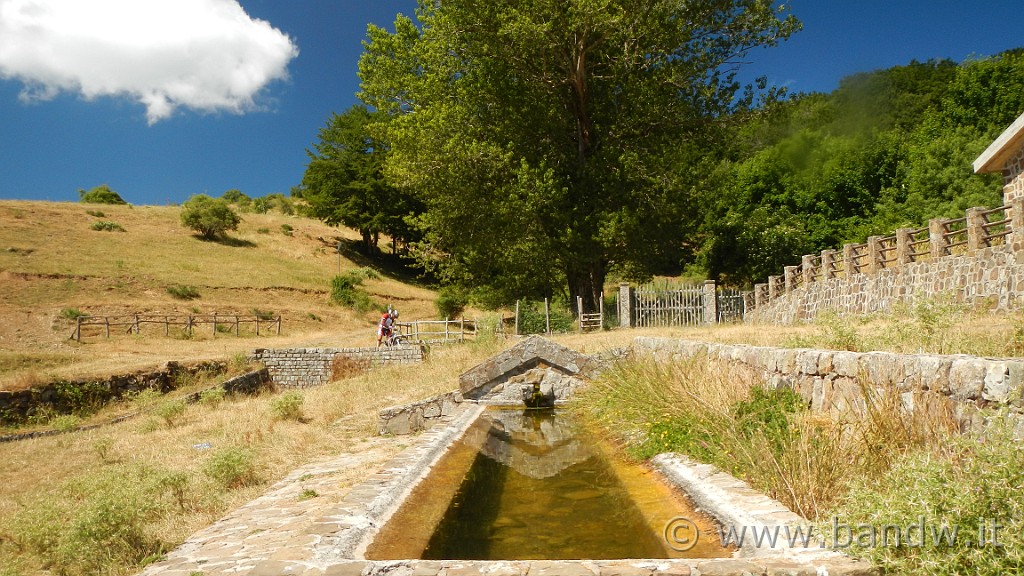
[(587, 282)]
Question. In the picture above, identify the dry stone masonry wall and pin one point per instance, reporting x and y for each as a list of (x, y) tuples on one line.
[(309, 367), (834, 380)]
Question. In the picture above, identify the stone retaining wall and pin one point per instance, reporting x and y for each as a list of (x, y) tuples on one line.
[(990, 278), (308, 367), (833, 380), (409, 418), (66, 396)]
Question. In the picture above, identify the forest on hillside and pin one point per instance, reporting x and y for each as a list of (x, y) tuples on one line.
[(503, 181)]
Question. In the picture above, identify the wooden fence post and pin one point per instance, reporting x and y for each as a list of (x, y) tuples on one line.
[(547, 318), (516, 329), (579, 309), (279, 325)]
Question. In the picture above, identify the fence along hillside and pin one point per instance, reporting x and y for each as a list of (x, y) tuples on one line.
[(977, 259)]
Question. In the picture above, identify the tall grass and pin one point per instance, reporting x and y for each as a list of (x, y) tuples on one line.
[(725, 415), (972, 485)]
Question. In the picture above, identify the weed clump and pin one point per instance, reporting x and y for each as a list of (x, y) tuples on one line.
[(287, 406), (183, 292), (346, 291), (232, 467)]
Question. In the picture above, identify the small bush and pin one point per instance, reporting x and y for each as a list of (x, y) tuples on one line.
[(263, 314), (211, 217), (103, 226), (102, 448), (170, 411), (101, 194), (345, 290), (65, 422), (232, 467), (73, 314), (451, 301), (307, 494), (287, 229), (532, 321), (287, 406), (212, 397), (95, 213), (263, 230), (183, 292)]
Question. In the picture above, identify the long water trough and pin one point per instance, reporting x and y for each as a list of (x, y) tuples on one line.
[(510, 489)]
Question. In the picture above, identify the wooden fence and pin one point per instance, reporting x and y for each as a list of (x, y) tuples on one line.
[(437, 331), (133, 324), (591, 320)]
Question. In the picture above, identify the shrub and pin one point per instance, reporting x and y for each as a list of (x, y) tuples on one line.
[(101, 194), (183, 292), (345, 290), (287, 406), (95, 213), (973, 484), (73, 314), (170, 411), (263, 230), (233, 467), (451, 301), (94, 521), (212, 396), (211, 217), (234, 196), (532, 321), (263, 314), (102, 226), (287, 229)]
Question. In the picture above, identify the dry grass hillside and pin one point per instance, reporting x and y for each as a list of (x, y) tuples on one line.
[(52, 261)]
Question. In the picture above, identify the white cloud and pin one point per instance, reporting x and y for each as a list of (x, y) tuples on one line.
[(207, 55)]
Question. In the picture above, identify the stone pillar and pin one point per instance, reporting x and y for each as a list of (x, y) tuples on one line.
[(904, 254), (828, 258), (874, 255), (710, 302), (849, 262), (807, 268), (1017, 222), (976, 229), (790, 273), (937, 237), (760, 295), (625, 305), (773, 288)]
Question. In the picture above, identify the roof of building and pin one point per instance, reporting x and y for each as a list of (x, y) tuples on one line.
[(995, 157)]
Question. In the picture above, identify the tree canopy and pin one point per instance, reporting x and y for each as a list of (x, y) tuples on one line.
[(344, 181), (553, 140)]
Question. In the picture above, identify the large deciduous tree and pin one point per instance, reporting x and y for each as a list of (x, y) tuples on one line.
[(344, 184), (553, 139)]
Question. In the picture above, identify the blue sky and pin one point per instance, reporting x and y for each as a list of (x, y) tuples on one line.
[(165, 122)]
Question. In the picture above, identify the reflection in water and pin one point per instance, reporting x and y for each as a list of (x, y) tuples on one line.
[(537, 492), (522, 485)]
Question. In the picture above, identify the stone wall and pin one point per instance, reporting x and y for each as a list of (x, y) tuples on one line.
[(1013, 178), (991, 277), (66, 396), (416, 416), (308, 367), (833, 380)]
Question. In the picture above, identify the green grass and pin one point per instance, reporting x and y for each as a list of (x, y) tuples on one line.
[(974, 483)]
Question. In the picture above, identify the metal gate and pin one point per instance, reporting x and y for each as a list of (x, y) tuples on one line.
[(669, 306)]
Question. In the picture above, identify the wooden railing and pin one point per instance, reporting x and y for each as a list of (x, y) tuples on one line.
[(437, 331), (133, 324), (979, 228)]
